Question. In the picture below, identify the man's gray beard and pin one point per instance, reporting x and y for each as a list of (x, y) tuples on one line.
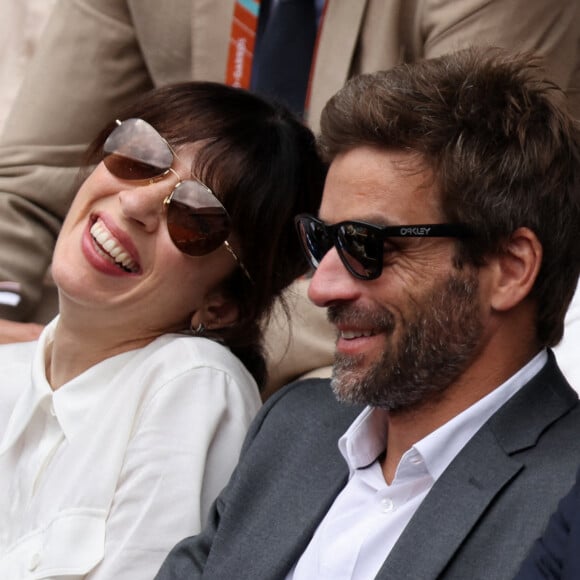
[(434, 348)]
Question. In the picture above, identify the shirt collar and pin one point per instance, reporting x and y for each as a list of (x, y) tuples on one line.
[(36, 394), (365, 439), (440, 447), (71, 402)]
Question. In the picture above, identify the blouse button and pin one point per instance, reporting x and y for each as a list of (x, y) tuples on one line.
[(34, 561), (387, 505)]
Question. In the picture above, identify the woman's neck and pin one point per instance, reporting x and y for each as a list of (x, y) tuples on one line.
[(75, 349)]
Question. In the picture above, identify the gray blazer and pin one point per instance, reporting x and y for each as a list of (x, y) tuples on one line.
[(478, 521)]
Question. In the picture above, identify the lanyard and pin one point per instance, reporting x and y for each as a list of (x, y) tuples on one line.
[(243, 41)]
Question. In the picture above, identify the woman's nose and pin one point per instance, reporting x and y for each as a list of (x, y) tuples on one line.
[(143, 203)]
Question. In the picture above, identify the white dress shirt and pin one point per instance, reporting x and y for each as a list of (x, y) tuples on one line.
[(368, 516), (102, 477)]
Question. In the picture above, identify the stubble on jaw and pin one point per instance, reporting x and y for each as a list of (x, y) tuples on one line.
[(433, 347)]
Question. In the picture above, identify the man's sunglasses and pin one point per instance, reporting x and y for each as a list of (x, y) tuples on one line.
[(197, 221), (361, 245)]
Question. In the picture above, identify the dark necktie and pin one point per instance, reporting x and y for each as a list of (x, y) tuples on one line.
[(284, 46)]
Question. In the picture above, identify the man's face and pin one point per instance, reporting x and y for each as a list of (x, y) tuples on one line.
[(406, 336)]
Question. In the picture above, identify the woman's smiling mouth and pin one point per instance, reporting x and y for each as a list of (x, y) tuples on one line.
[(108, 246)]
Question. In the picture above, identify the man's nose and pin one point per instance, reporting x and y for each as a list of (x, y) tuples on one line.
[(331, 281)]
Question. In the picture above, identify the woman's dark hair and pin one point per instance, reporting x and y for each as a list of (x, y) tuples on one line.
[(503, 150), (262, 163)]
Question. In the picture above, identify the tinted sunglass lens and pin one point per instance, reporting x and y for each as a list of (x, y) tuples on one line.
[(361, 250), (315, 239), (135, 151), (196, 220), (131, 169)]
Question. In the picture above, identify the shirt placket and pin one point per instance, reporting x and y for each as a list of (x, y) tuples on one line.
[(50, 437)]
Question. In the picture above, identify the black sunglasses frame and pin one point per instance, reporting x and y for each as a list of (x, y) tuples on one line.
[(338, 236)]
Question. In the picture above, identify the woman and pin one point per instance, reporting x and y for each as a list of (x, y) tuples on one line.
[(118, 428)]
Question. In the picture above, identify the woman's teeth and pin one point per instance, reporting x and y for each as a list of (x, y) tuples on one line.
[(111, 248)]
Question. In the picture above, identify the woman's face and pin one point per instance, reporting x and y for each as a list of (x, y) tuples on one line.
[(114, 255)]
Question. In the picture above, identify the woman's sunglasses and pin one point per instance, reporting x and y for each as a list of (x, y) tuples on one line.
[(361, 245), (197, 221)]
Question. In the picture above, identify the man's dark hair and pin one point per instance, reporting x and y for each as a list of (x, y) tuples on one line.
[(502, 147)]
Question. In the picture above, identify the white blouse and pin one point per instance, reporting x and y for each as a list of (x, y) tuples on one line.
[(100, 478)]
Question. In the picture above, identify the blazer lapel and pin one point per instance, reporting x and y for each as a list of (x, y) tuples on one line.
[(457, 500), (336, 47), (480, 472), (314, 495), (292, 504), (211, 23), (163, 39), (357, 36), (298, 484)]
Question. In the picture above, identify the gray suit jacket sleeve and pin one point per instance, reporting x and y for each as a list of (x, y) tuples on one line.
[(291, 417)]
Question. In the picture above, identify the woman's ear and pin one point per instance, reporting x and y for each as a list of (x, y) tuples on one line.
[(217, 312), (516, 269)]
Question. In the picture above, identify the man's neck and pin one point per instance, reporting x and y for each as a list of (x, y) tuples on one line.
[(405, 428)]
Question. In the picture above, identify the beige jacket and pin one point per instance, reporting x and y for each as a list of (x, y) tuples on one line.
[(97, 55)]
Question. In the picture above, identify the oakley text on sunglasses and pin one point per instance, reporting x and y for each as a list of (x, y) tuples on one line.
[(360, 245), (197, 221)]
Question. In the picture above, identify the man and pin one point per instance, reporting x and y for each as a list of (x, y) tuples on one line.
[(446, 251), (97, 55)]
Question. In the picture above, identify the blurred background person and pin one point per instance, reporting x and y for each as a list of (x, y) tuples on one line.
[(555, 556), (21, 25)]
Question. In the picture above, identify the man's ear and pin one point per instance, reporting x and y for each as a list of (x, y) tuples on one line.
[(515, 270), (217, 312)]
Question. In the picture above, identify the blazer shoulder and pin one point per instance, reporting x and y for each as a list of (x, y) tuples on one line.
[(309, 397), (540, 406), (306, 410)]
